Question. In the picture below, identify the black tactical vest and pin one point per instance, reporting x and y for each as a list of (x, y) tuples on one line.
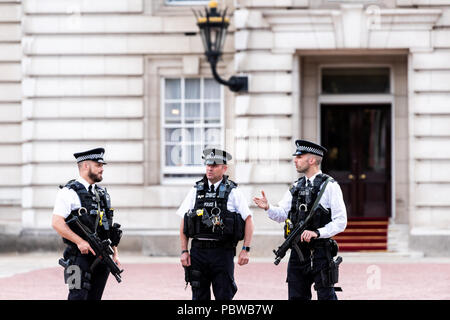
[(303, 198), (98, 215), (210, 217)]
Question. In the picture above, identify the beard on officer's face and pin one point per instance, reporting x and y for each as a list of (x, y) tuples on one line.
[(96, 177)]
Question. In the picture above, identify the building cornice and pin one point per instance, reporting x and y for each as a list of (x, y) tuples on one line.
[(398, 19), (352, 26)]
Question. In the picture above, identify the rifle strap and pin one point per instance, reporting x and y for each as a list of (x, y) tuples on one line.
[(319, 196), (95, 263), (97, 198), (299, 252), (313, 208)]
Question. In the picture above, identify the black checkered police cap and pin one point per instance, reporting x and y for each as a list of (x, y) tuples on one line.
[(216, 156), (304, 146), (94, 155)]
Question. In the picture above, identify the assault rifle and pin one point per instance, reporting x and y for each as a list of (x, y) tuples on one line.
[(293, 238), (102, 249)]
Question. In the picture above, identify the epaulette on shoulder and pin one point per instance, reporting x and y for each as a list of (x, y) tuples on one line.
[(68, 184), (299, 181), (74, 185), (326, 176), (200, 185), (291, 188), (294, 185), (231, 184)]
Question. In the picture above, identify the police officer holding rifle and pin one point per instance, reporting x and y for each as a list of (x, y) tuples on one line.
[(313, 211), (83, 216)]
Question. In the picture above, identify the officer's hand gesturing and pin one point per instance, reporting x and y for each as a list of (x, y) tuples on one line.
[(261, 202), (84, 247)]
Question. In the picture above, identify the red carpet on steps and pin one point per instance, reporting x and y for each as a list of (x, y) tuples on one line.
[(364, 234)]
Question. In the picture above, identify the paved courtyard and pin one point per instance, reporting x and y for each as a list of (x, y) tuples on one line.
[(362, 277)]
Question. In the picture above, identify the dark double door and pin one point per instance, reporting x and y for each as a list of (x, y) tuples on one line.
[(358, 139)]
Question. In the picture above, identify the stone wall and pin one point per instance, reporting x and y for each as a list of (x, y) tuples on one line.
[(77, 74), (10, 115)]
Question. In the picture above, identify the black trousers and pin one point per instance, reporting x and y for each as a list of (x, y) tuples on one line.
[(92, 283), (300, 275), (213, 267)]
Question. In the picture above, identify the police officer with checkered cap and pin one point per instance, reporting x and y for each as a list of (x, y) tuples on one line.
[(215, 215), (305, 147), (216, 156), (84, 198), (314, 264)]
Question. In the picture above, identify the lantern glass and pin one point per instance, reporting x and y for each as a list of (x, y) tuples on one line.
[(205, 38), (213, 36), (220, 38)]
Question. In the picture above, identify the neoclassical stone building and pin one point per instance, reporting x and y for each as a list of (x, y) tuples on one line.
[(369, 79)]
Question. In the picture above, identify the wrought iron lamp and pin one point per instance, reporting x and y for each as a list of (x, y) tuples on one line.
[(213, 27)]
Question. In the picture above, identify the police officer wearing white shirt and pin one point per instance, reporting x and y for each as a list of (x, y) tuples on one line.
[(216, 216), (91, 203), (316, 248)]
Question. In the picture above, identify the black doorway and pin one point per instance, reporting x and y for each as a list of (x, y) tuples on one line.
[(358, 139)]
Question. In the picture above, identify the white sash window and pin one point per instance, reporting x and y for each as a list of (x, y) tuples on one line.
[(192, 119)]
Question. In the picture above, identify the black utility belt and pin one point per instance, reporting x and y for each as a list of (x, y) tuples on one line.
[(316, 243), (209, 244)]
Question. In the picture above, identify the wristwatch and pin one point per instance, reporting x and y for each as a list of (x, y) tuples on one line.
[(183, 251), (317, 232), (246, 248)]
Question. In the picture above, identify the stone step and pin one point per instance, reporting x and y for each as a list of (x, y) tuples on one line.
[(10, 227)]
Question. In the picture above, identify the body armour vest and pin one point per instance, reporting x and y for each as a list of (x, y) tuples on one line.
[(210, 217), (303, 198), (97, 216)]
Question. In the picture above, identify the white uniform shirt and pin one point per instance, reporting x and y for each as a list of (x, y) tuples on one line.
[(331, 199), (67, 200), (236, 202)]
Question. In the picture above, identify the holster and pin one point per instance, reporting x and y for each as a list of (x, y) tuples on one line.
[(85, 279), (65, 263), (115, 234), (192, 276), (330, 275), (288, 227), (189, 224), (239, 232), (333, 272)]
